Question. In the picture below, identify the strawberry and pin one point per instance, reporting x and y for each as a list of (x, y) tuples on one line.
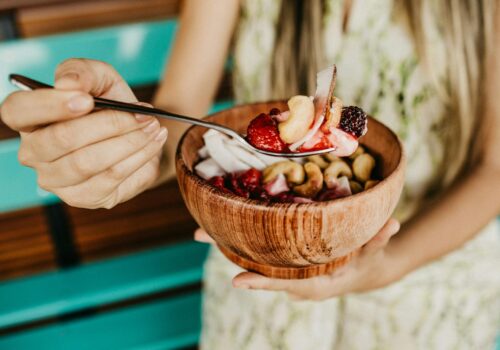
[(263, 133), (234, 185)]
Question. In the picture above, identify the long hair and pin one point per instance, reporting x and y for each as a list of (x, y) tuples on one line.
[(467, 29)]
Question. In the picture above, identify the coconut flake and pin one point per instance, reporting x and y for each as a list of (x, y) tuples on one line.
[(203, 152), (214, 141), (208, 168), (245, 156), (277, 186)]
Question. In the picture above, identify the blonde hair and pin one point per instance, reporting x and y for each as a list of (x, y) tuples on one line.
[(467, 29)]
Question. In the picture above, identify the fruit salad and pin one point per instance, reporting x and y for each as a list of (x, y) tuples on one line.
[(232, 168), (311, 123)]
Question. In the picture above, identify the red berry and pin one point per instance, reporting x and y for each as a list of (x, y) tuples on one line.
[(274, 111), (233, 183), (218, 182), (251, 179), (284, 197), (263, 133)]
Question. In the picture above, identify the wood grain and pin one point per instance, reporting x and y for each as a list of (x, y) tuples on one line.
[(79, 15), (284, 240)]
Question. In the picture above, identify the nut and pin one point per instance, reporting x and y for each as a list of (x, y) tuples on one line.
[(334, 171), (370, 183), (333, 118), (314, 182), (299, 121), (363, 166), (294, 172), (355, 186), (357, 152), (319, 161), (331, 157)]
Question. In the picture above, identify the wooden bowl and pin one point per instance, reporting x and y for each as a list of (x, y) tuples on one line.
[(290, 240)]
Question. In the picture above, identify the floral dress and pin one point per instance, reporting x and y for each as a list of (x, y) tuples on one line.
[(453, 303)]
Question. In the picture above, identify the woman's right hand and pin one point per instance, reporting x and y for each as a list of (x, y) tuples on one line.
[(90, 159)]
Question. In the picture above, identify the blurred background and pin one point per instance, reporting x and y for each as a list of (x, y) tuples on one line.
[(78, 279)]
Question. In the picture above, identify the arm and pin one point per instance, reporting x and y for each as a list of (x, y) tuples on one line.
[(195, 66)]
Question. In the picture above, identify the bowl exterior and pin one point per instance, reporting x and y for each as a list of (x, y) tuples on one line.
[(286, 235)]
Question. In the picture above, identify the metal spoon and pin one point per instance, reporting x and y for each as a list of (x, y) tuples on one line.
[(25, 83)]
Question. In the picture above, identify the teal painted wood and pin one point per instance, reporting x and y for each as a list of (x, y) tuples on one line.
[(58, 293), (137, 51), (166, 324), (18, 185)]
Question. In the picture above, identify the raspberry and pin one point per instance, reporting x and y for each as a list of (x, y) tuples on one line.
[(234, 185), (284, 197), (353, 121), (263, 134), (218, 182), (250, 179)]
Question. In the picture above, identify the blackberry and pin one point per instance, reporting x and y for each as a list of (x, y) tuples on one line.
[(353, 121)]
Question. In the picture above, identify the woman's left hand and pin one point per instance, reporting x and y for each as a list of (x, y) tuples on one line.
[(373, 268)]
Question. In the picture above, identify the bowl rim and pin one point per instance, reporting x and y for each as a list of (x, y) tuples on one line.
[(181, 166)]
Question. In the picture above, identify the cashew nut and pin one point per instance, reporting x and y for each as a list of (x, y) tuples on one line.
[(331, 157), (357, 152), (370, 183), (355, 186), (294, 172), (300, 119), (319, 161), (314, 182), (363, 166), (334, 171)]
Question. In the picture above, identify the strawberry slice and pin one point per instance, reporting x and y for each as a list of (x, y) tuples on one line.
[(263, 134)]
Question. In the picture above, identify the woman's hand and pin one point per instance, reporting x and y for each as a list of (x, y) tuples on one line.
[(373, 268), (90, 159)]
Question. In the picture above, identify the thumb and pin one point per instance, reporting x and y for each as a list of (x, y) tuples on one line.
[(381, 239)]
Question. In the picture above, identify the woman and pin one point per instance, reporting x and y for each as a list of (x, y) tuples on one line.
[(429, 71)]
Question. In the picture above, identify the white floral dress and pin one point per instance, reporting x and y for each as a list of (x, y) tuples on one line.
[(453, 303)]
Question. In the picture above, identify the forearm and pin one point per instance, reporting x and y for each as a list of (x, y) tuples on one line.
[(449, 222), (195, 67)]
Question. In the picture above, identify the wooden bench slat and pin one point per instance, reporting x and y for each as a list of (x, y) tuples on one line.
[(72, 16), (97, 284), (164, 324)]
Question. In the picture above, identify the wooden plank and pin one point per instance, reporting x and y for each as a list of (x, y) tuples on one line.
[(97, 284), (81, 15), (6, 5), (166, 324), (25, 244)]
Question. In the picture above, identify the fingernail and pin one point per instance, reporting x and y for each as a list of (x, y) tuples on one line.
[(242, 286), (141, 118), (80, 103), (66, 81), (162, 136), (151, 127)]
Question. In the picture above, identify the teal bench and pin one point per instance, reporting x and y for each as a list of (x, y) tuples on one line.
[(64, 309)]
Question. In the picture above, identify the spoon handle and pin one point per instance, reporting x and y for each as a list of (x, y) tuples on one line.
[(25, 83)]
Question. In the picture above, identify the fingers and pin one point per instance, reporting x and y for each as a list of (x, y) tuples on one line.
[(381, 239), (84, 163), (251, 280), (94, 77), (25, 110), (54, 141), (200, 235)]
